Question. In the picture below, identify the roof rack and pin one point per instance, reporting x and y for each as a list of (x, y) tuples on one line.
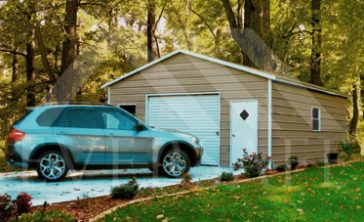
[(75, 103)]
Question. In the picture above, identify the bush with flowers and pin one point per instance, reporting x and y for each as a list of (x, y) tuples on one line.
[(253, 164), (23, 203)]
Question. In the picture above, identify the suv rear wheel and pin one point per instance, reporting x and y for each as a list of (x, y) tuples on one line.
[(175, 163), (52, 166)]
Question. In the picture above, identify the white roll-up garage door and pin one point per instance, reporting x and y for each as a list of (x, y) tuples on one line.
[(195, 114)]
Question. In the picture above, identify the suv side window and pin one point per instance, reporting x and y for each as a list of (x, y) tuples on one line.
[(78, 118), (115, 119), (49, 117)]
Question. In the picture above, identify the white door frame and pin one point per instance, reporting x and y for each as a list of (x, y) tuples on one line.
[(147, 96), (231, 132)]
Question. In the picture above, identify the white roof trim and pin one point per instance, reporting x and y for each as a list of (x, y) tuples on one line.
[(207, 58), (224, 63), (307, 86)]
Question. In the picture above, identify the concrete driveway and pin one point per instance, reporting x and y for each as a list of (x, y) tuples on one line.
[(85, 184)]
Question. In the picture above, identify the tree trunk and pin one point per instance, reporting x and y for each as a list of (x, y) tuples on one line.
[(152, 43), (257, 18), (29, 63), (255, 38), (43, 53), (315, 63), (14, 75), (14, 66), (356, 110), (69, 50)]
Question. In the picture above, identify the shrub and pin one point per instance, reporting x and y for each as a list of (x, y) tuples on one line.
[(293, 162), (6, 206), (127, 191), (281, 168), (349, 147), (226, 176), (253, 164), (346, 148), (23, 203), (320, 163), (186, 178)]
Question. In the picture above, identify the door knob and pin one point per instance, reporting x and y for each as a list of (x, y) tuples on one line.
[(217, 133), (233, 135)]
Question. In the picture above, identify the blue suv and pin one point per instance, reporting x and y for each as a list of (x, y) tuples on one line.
[(55, 138)]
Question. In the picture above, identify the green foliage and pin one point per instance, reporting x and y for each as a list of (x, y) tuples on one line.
[(301, 196), (350, 147), (293, 162), (127, 191), (226, 176), (346, 148), (48, 216), (281, 168), (112, 42), (252, 164)]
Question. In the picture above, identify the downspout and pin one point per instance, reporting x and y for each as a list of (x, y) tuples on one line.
[(269, 148)]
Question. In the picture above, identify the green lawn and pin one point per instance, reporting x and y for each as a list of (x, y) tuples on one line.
[(318, 194)]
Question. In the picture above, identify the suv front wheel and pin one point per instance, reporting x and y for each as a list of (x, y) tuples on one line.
[(175, 163), (52, 166)]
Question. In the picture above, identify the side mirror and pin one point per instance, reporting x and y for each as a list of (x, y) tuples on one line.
[(139, 127)]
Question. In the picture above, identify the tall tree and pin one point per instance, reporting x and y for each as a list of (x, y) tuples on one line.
[(252, 31), (69, 52), (29, 60), (153, 51), (315, 64), (356, 110)]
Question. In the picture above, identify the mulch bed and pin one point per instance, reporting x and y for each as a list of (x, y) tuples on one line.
[(83, 209)]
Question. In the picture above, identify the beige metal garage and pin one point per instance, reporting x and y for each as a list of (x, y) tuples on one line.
[(231, 107)]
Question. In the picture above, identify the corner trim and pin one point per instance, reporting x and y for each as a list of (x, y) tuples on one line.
[(269, 142), (109, 95)]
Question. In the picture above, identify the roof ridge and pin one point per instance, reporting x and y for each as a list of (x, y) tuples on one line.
[(243, 68)]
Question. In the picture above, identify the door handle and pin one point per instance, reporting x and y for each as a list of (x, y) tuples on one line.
[(217, 133), (233, 135), (111, 134), (61, 133)]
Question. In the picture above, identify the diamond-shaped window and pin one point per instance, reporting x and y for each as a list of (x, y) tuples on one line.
[(244, 115)]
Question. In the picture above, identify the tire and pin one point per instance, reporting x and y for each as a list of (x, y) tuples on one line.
[(52, 166), (174, 163)]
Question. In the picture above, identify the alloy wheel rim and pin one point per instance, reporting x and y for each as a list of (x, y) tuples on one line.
[(174, 164), (52, 166)]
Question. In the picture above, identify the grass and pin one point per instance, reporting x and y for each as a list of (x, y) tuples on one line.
[(317, 194)]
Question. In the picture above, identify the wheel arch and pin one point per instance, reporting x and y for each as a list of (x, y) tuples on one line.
[(33, 160), (184, 146)]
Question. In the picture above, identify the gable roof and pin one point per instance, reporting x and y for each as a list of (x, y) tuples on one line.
[(246, 69)]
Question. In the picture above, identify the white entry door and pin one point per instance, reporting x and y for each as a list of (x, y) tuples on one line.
[(243, 128), (198, 115)]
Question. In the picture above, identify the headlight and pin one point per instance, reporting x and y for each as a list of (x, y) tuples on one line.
[(195, 140)]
